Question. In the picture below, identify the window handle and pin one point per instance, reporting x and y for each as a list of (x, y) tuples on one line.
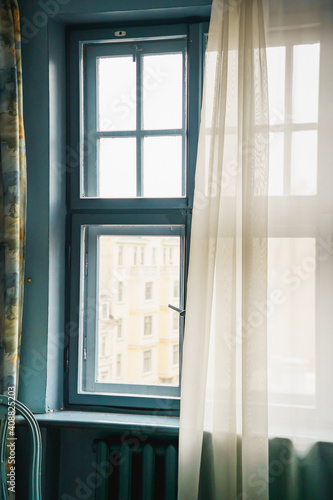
[(180, 311)]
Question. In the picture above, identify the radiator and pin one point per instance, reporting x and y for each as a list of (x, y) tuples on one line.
[(143, 471)]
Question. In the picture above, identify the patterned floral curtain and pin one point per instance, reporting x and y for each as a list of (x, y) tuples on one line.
[(12, 195)]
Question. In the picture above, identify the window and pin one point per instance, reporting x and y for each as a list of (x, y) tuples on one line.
[(120, 329), (175, 355), (131, 202), (104, 374), (176, 289), (299, 251), (175, 321), (133, 118), (149, 290), (118, 365), (120, 256), (148, 325), (293, 71), (103, 310), (147, 362), (120, 291)]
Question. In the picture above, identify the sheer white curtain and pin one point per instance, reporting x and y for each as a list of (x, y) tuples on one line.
[(257, 361), (300, 248), (224, 379)]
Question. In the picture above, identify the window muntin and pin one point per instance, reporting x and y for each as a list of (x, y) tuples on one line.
[(134, 118)]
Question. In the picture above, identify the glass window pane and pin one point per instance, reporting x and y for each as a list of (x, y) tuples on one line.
[(276, 163), (290, 311), (306, 83), (140, 324), (162, 167), (162, 91), (117, 167), (116, 87), (304, 163), (276, 66)]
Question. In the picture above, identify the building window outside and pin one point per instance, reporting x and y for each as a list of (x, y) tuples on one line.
[(135, 254), (176, 289), (175, 354), (120, 291), (149, 290), (148, 325), (121, 256), (105, 375), (153, 256), (104, 310), (147, 362), (120, 329), (175, 321), (119, 366), (142, 255)]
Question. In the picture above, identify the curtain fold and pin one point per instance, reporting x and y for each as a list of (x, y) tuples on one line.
[(12, 195), (224, 374)]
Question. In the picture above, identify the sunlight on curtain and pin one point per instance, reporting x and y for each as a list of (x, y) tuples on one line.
[(224, 380), (223, 436), (300, 256), (12, 195)]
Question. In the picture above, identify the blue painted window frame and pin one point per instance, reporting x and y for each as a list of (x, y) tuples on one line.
[(136, 211)]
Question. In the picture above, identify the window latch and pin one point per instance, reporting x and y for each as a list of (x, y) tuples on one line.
[(180, 311)]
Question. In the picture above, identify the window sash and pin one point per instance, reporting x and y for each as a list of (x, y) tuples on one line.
[(88, 333), (91, 134)]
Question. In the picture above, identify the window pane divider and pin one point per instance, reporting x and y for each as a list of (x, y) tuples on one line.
[(139, 133)]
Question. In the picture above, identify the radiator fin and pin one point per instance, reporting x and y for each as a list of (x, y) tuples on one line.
[(148, 469), (170, 473), (125, 472)]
